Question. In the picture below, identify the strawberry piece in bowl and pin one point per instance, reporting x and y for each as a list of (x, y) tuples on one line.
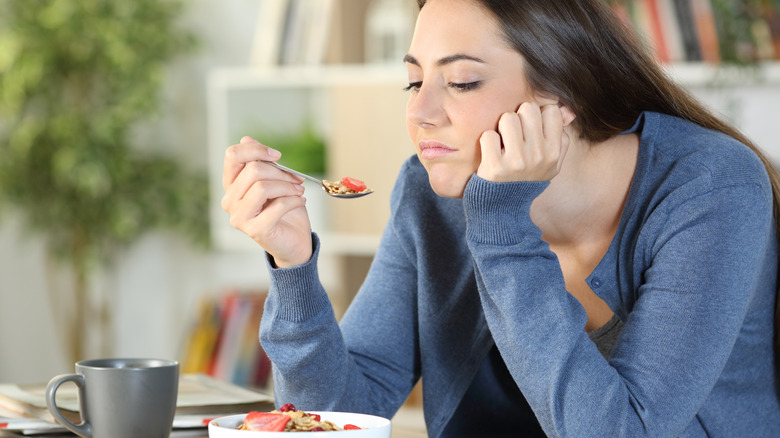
[(266, 421), (352, 425)]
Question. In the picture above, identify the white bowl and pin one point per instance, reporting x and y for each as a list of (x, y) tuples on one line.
[(373, 426)]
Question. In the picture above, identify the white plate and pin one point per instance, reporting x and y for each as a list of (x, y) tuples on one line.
[(373, 426)]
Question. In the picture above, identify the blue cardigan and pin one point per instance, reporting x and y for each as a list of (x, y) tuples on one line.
[(691, 271)]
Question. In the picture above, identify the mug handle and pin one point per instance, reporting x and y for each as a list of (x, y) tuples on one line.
[(82, 429)]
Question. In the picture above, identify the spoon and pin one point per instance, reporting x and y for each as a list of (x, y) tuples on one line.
[(318, 181)]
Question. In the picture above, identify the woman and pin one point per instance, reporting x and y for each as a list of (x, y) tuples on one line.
[(578, 248)]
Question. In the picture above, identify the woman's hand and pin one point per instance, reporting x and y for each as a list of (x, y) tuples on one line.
[(529, 146), (266, 203)]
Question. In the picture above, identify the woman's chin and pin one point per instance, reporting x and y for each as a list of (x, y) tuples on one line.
[(447, 187)]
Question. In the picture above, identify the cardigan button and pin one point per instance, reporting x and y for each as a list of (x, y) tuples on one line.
[(595, 282)]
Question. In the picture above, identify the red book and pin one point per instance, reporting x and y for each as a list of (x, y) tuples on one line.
[(771, 15), (704, 19), (657, 30)]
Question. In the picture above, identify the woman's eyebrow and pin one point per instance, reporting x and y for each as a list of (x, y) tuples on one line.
[(409, 59)]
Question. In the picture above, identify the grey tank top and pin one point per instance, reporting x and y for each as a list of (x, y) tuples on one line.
[(605, 336), (493, 395)]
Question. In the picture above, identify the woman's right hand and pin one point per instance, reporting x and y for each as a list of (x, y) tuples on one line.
[(266, 203)]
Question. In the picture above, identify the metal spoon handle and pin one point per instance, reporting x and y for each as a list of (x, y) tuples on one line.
[(294, 172)]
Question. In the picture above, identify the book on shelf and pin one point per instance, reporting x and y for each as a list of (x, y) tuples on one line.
[(269, 30), (770, 34), (304, 32), (223, 340), (695, 30), (201, 398), (658, 29), (670, 28), (292, 32), (688, 34), (704, 21)]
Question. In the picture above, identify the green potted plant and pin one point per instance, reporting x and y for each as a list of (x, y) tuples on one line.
[(76, 78), (302, 149)]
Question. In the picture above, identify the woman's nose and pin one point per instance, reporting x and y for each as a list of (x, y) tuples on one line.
[(424, 108)]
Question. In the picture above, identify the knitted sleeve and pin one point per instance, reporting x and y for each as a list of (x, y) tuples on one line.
[(369, 364)]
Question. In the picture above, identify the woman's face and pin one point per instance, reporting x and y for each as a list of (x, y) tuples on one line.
[(462, 77)]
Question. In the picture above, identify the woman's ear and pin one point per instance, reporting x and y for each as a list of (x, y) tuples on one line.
[(567, 113)]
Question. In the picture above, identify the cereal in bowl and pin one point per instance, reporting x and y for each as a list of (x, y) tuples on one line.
[(288, 419)]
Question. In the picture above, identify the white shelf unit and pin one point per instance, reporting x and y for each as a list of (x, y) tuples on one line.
[(749, 97), (702, 75), (244, 101)]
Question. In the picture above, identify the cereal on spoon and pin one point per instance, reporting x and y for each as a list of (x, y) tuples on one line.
[(345, 186)]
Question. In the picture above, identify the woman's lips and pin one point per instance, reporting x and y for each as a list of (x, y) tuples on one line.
[(433, 149)]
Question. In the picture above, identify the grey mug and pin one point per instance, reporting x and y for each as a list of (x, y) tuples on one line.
[(121, 398)]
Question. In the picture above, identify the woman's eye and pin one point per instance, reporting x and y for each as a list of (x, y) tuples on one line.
[(413, 86), (458, 86), (465, 86)]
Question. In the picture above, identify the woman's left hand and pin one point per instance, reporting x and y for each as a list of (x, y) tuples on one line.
[(529, 146)]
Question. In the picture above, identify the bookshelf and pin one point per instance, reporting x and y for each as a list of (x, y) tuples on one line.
[(222, 340), (709, 31)]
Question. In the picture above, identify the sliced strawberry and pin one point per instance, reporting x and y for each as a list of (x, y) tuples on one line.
[(351, 427), (353, 184), (266, 421)]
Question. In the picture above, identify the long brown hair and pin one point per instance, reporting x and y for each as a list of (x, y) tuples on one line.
[(580, 51)]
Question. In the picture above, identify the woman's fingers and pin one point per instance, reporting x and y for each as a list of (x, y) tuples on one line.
[(552, 122), (525, 148), (528, 146), (279, 224), (492, 153), (238, 155), (263, 206), (266, 203), (554, 135), (254, 172), (253, 193)]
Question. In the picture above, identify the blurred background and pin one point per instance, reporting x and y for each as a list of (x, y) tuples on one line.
[(114, 119)]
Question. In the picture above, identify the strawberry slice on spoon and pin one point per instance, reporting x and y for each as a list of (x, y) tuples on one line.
[(353, 184)]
